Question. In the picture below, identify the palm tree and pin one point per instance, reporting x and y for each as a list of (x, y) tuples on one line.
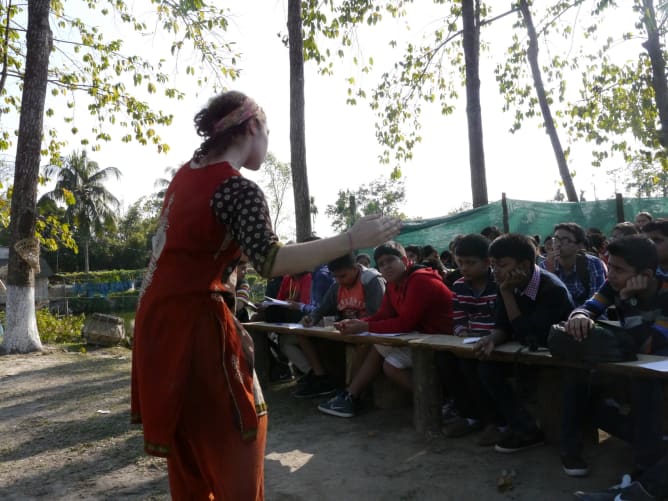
[(91, 209), (161, 184)]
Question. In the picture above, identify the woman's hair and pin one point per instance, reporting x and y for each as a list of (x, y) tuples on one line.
[(208, 122)]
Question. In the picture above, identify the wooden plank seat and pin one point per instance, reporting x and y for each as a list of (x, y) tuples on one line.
[(427, 397)]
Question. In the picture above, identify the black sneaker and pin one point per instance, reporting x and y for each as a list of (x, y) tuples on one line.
[(306, 378), (574, 465), (315, 386), (342, 405), (518, 442)]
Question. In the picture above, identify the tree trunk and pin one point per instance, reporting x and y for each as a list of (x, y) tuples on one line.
[(656, 57), (471, 19), (297, 134), (86, 255), (21, 335), (532, 54)]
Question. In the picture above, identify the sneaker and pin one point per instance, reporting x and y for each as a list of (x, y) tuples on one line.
[(492, 435), (316, 386), (341, 405), (518, 442), (461, 427), (304, 379), (632, 492), (574, 465)]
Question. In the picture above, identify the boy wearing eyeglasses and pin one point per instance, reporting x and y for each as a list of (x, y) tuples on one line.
[(582, 273)]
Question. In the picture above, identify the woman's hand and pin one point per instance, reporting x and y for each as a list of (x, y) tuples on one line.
[(373, 230)]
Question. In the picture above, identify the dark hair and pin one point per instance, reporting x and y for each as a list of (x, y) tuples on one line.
[(626, 228), (342, 263), (513, 245), (646, 214), (574, 229), (473, 245), (656, 225), (392, 248), (415, 249), (596, 241), (205, 120), (637, 250), (434, 264), (427, 250), (446, 257), (491, 232)]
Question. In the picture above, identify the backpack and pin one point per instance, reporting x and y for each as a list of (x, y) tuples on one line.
[(604, 343), (582, 272)]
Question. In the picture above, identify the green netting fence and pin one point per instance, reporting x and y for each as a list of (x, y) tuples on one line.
[(529, 218)]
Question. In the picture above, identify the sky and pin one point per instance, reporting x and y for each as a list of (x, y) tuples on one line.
[(341, 147)]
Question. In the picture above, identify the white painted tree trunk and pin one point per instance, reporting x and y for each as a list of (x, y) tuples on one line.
[(21, 335)]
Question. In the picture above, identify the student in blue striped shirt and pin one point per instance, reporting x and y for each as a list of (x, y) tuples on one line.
[(474, 298)]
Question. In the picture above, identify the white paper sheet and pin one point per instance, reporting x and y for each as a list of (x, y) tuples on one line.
[(659, 365), (470, 340), (386, 334), (270, 301)]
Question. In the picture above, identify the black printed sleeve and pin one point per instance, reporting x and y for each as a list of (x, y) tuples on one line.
[(240, 205)]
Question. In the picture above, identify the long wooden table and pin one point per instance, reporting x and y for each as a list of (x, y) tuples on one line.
[(427, 397)]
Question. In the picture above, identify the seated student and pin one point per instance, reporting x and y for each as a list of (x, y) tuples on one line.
[(623, 230), (657, 231), (650, 484), (416, 299), (641, 299), (474, 298), (582, 273), (529, 301), (642, 218), (414, 253), (364, 259), (242, 291), (356, 293), (430, 252)]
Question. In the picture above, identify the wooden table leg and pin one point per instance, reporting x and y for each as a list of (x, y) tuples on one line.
[(427, 397)]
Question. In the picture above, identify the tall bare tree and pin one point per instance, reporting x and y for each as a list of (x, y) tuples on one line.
[(550, 128), (297, 125), (21, 335), (471, 44)]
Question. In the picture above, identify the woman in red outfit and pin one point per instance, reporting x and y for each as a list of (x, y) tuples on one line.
[(193, 384)]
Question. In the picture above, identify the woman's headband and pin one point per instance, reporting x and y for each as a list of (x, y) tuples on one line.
[(248, 109)]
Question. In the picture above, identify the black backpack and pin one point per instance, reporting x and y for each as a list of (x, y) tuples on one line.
[(604, 343)]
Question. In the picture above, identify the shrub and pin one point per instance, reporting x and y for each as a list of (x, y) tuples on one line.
[(55, 328)]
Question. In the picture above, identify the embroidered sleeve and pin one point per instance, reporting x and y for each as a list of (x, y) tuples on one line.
[(240, 205)]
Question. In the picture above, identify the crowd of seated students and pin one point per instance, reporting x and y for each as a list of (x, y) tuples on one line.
[(513, 288)]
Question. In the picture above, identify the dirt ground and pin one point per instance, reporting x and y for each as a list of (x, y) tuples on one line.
[(65, 434)]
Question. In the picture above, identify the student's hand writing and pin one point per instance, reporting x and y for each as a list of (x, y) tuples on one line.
[(514, 279), (307, 321), (373, 230), (484, 347), (464, 333), (351, 326), (579, 326), (634, 286)]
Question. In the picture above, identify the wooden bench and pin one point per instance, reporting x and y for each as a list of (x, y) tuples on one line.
[(427, 396)]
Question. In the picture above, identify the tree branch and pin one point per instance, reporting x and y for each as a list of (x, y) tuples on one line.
[(5, 57)]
